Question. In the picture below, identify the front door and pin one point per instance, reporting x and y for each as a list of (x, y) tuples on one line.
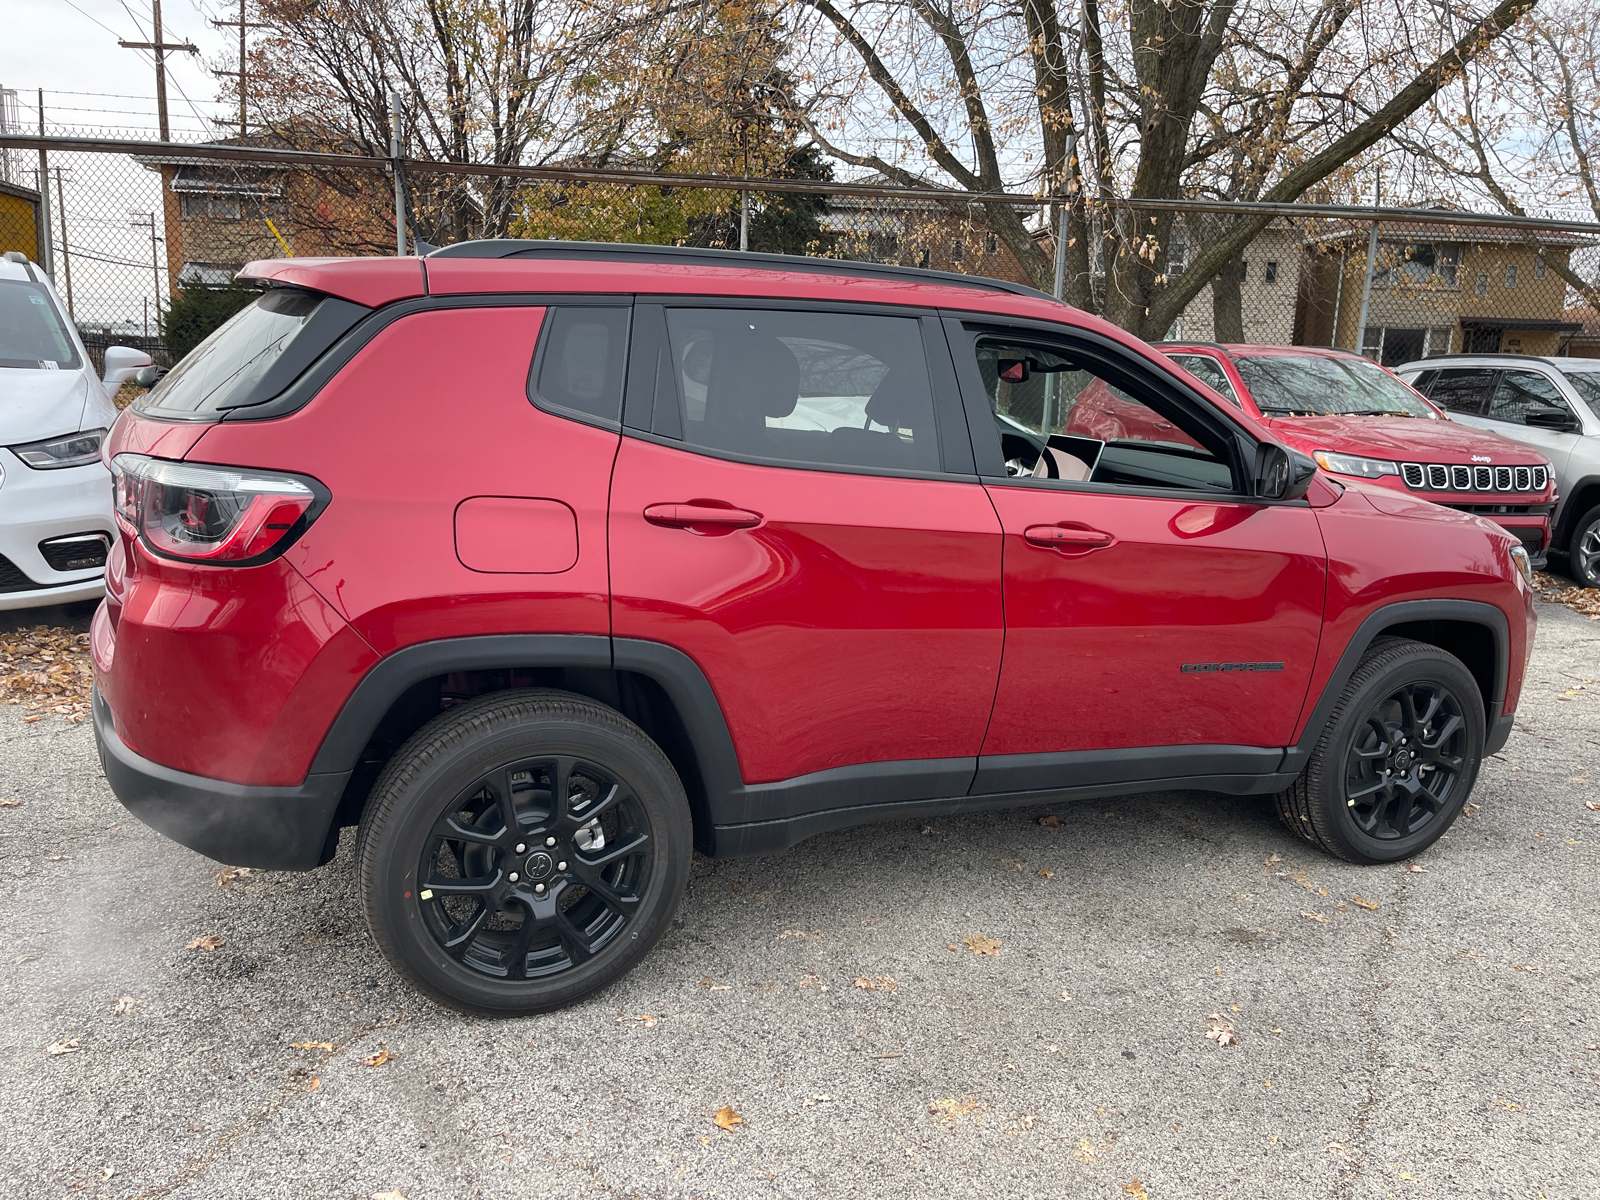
[(790, 521), (1151, 605)]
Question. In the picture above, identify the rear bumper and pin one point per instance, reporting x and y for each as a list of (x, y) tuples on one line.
[(272, 828)]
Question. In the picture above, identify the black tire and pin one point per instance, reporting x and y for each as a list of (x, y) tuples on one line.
[(1380, 785), (472, 907), (1583, 550)]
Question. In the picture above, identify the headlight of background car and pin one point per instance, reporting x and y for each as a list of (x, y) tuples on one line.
[(1349, 464), (1519, 555), (69, 450)]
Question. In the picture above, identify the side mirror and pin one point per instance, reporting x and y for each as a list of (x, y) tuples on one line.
[(149, 376), (1282, 473), (123, 362), (1558, 419), (1014, 370)]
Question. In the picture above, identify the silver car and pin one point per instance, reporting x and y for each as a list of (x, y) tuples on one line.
[(1552, 404)]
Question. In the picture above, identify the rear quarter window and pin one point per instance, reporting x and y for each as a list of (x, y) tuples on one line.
[(252, 357)]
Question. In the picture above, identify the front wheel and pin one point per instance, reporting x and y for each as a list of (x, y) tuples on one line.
[(1397, 759), (1583, 557), (522, 851)]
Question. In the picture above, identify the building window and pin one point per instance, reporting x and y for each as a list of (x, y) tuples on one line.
[(1483, 286), (1244, 269), (1177, 257), (1432, 264), (1511, 277), (991, 243), (1272, 272), (1538, 268), (958, 251), (208, 208)]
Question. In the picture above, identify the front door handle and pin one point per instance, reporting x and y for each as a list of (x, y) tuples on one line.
[(701, 517), (1062, 537)]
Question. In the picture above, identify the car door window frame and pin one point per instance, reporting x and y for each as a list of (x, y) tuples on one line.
[(964, 329), (1230, 394), (1561, 400), (542, 350), (653, 406), (1488, 395)]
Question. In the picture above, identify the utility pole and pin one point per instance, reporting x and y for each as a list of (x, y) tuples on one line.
[(242, 24), (66, 255), (148, 221), (160, 47)]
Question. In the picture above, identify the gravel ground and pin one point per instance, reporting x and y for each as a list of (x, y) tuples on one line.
[(1401, 1032)]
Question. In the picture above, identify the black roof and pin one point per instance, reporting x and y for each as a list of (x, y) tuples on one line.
[(695, 256)]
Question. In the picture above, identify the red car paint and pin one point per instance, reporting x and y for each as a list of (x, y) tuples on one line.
[(1399, 440), (839, 617)]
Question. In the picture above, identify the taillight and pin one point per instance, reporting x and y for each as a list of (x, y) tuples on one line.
[(232, 516)]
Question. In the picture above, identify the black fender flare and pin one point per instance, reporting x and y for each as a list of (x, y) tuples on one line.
[(1406, 612)]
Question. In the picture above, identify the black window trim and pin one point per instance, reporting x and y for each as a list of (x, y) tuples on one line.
[(661, 426), (542, 347), (964, 328)]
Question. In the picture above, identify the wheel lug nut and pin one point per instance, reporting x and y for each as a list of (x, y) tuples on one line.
[(538, 887), (561, 866), (513, 877), (549, 841), (521, 847)]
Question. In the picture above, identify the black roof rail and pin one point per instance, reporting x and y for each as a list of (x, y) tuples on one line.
[(695, 256)]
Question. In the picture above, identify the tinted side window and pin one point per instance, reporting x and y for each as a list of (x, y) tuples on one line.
[(1519, 391), (1208, 371), (822, 388), (1463, 389), (583, 361)]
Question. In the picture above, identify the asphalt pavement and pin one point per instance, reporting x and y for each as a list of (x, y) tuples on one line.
[(1400, 1032)]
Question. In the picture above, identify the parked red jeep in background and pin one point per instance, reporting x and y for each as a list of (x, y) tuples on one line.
[(546, 564), (1359, 419)]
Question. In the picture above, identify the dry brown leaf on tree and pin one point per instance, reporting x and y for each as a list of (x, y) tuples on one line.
[(209, 942), (980, 943), (726, 1118), (378, 1059), (64, 1046)]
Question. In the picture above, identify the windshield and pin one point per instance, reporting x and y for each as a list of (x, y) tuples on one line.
[(31, 331), (1313, 386), (1587, 385), (235, 356)]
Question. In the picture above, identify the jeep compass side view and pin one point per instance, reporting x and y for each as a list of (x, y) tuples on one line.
[(543, 565)]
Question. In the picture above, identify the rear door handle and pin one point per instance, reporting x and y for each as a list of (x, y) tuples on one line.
[(698, 515), (1060, 537)]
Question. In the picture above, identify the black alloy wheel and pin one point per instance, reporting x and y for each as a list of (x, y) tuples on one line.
[(1405, 762), (523, 850), (1397, 758)]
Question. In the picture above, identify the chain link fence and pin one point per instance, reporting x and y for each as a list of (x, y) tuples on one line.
[(143, 240)]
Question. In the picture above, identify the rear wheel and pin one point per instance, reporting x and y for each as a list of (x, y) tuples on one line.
[(1583, 557), (1397, 759), (522, 851)]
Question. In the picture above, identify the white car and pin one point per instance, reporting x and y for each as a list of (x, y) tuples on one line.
[(56, 526)]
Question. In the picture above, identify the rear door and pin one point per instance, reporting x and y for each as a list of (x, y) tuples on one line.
[(1159, 621), (794, 507)]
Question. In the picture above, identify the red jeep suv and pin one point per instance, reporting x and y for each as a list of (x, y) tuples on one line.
[(547, 564)]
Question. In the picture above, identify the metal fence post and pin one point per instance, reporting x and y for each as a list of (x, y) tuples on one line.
[(399, 182), (45, 231), (1366, 291)]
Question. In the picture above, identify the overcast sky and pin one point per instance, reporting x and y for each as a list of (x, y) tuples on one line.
[(60, 47)]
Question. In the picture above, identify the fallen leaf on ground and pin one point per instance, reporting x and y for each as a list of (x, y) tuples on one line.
[(982, 944), (312, 1045), (22, 958), (1315, 917), (1273, 860), (726, 1118), (11, 802), (1050, 821), (1508, 1105), (1136, 1189), (877, 983), (1416, 868), (1221, 1032), (801, 934), (711, 984), (1043, 874), (391, 1194), (813, 1101), (929, 831), (378, 1059), (646, 1020), (949, 1111), (1592, 805), (227, 875), (1469, 810), (210, 942), (121, 1006), (1085, 1150), (313, 1084), (1369, 905), (64, 1046)]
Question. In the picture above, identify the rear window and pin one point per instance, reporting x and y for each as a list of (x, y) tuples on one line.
[(31, 331), (254, 355)]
